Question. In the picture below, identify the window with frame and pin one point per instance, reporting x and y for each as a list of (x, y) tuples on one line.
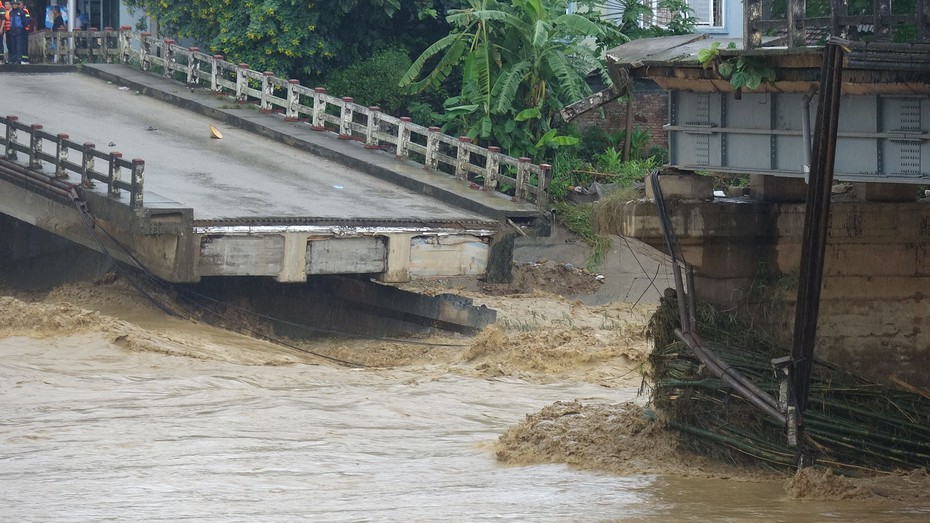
[(709, 13)]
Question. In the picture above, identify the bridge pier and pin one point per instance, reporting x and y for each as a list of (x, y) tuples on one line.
[(873, 318)]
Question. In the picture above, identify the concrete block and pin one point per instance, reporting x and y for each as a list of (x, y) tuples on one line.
[(885, 192), (777, 189), (683, 187)]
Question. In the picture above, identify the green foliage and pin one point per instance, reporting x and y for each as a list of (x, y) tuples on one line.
[(298, 39), (743, 71), (638, 20), (512, 57), (373, 81)]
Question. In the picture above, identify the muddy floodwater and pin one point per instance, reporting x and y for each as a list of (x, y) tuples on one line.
[(92, 431)]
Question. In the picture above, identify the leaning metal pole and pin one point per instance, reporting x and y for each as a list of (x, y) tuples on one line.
[(816, 221)]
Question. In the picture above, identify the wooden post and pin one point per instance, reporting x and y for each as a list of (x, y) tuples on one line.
[(752, 12), (461, 158), (291, 114), (797, 35), (11, 136), (137, 183), (87, 165), (345, 120), (492, 167), (35, 147), (319, 109), (115, 175), (403, 137), (61, 155)]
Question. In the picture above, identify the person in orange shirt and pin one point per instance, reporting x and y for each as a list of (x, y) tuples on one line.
[(5, 30)]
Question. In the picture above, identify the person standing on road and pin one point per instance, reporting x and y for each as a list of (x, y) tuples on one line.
[(5, 30), (19, 20)]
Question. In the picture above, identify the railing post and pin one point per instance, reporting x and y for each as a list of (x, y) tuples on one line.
[(61, 155), (169, 57), (145, 51), (432, 148), (87, 165), (137, 184), (215, 73), (492, 167), (542, 197), (115, 175), (403, 137), (267, 87), (125, 44), (291, 114), (461, 158), (192, 65), (345, 120), (374, 113), (35, 147), (523, 172), (11, 136), (105, 47), (319, 109), (242, 81)]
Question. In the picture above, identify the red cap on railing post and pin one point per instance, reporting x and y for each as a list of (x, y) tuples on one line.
[(107, 28), (374, 108), (169, 41), (36, 126), (12, 118), (347, 99), (406, 119), (145, 34), (321, 90), (494, 149), (217, 57), (434, 129), (243, 66), (267, 73), (194, 49), (465, 139), (63, 136), (293, 81)]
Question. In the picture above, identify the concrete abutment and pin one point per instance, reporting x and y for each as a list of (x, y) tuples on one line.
[(874, 312)]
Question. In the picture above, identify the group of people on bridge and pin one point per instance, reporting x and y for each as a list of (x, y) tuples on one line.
[(18, 22)]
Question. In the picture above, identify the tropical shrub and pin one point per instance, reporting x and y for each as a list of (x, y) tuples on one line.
[(519, 63)]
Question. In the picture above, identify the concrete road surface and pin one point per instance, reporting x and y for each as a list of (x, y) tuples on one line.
[(241, 175)]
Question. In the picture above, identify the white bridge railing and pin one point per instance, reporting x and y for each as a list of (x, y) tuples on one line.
[(40, 148), (479, 167)]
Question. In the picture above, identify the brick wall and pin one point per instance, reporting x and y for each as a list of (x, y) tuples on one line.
[(650, 111)]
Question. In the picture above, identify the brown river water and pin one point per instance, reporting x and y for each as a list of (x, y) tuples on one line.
[(130, 416)]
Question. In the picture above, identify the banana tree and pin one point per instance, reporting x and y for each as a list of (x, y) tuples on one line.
[(512, 57)]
